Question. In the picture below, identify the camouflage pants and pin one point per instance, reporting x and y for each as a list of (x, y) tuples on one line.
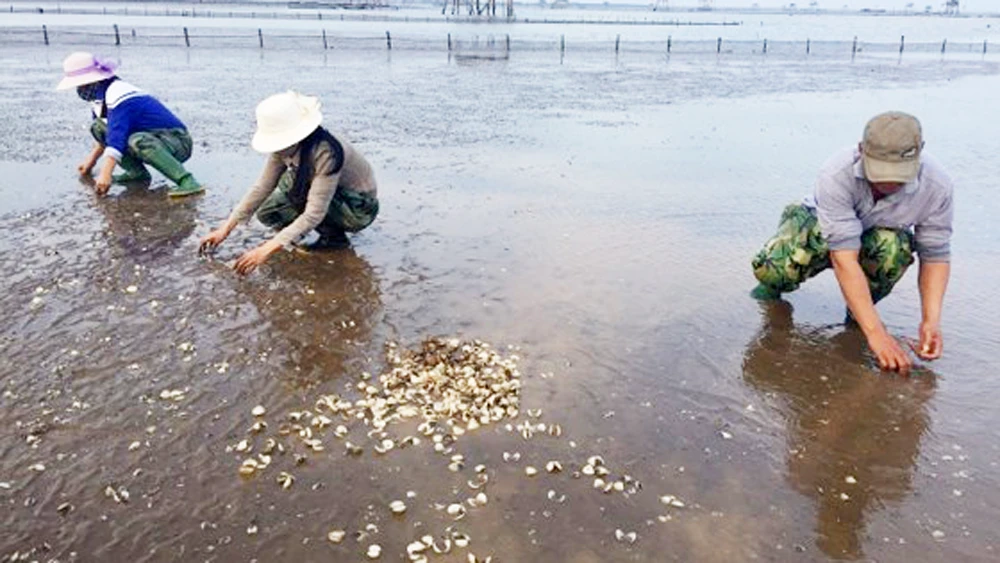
[(175, 141), (798, 252), (349, 211)]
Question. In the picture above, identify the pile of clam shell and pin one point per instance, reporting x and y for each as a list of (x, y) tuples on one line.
[(442, 388)]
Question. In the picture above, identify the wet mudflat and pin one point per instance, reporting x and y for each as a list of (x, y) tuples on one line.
[(598, 216)]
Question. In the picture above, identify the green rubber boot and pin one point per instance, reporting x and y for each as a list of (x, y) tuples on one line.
[(765, 293), (155, 153), (135, 172)]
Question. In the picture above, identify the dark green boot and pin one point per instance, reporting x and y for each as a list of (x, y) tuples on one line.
[(161, 159), (135, 172)]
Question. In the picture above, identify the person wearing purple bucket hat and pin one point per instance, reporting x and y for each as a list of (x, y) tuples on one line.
[(873, 206), (130, 127)]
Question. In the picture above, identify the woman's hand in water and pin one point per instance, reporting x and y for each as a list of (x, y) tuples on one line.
[(249, 261), (85, 167), (103, 183), (212, 240)]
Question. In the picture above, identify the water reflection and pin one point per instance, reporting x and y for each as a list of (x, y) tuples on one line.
[(321, 310), (853, 433), (143, 225)]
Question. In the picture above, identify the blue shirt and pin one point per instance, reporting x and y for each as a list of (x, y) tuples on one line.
[(130, 110)]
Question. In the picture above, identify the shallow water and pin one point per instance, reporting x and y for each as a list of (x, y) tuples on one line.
[(599, 213)]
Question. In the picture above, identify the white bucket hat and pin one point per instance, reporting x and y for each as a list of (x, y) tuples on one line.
[(84, 68), (285, 119)]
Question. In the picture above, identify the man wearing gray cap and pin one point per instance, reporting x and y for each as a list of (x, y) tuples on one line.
[(873, 205)]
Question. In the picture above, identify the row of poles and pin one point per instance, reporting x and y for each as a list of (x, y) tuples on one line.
[(562, 42)]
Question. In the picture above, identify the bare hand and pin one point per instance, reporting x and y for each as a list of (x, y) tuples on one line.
[(85, 167), (891, 356), (212, 240), (250, 259), (103, 183), (931, 342)]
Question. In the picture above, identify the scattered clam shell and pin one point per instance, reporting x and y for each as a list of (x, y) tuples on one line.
[(530, 471), (251, 529), (384, 446), (553, 467), (511, 456), (248, 467), (415, 548), (336, 536), (456, 510), (554, 496), (285, 479), (671, 500), (259, 410), (397, 507), (374, 551), (628, 537), (442, 547)]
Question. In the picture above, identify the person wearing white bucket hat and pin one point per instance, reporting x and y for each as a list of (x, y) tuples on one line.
[(312, 180), (873, 206), (131, 128)]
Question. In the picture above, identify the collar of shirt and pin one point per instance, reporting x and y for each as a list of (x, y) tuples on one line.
[(293, 161), (909, 188)]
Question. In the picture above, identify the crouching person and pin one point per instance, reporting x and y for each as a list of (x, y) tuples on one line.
[(311, 180), (130, 127), (874, 205)]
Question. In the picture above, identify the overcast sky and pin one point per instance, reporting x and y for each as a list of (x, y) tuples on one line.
[(970, 5)]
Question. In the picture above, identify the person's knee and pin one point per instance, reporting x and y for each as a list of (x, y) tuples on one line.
[(891, 246), (142, 142)]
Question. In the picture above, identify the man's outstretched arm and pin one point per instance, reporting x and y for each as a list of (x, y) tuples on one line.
[(857, 295)]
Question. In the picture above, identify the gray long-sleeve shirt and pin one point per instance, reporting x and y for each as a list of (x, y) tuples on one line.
[(354, 173), (846, 208)]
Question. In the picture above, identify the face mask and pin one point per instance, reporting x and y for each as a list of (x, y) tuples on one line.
[(89, 92)]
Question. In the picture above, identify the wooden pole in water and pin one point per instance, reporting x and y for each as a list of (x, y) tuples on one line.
[(854, 47), (765, 46), (187, 39), (118, 39), (944, 44), (562, 43), (388, 40), (718, 46), (808, 45), (260, 37), (618, 40), (45, 34), (902, 41), (507, 44), (449, 42), (325, 47), (984, 46), (670, 40)]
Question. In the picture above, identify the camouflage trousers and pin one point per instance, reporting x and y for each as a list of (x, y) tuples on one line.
[(142, 143), (349, 211), (798, 252)]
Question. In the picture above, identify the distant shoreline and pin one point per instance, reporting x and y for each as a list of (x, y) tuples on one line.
[(554, 7)]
